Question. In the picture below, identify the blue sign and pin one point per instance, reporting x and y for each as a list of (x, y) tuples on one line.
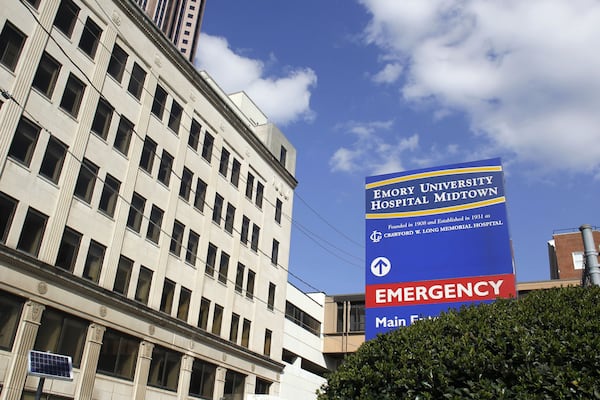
[(436, 238)]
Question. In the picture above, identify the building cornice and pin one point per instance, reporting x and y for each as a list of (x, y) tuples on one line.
[(51, 275), (185, 66)]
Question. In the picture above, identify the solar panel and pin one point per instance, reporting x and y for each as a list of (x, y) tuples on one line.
[(49, 365)]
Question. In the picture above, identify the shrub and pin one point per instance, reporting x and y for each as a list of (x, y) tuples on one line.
[(545, 345)]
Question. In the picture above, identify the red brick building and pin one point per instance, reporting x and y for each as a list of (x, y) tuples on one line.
[(566, 254)]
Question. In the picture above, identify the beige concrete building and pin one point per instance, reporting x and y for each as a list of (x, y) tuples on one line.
[(144, 218)]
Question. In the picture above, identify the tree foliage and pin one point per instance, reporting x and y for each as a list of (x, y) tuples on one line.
[(545, 345)]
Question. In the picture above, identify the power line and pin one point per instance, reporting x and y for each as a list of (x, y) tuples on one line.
[(5, 93)]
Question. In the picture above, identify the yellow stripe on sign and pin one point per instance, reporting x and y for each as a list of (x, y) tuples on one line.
[(471, 170), (442, 210)]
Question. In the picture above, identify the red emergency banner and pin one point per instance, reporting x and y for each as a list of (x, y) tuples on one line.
[(478, 288)]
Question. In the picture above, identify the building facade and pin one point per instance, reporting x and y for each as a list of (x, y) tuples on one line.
[(179, 20), (566, 254), (144, 218)]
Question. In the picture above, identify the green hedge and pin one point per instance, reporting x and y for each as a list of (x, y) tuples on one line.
[(545, 345)]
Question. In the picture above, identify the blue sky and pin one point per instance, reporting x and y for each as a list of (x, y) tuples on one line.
[(376, 86)]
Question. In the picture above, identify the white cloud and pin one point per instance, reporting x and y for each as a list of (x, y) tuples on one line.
[(371, 151), (283, 99), (389, 74), (525, 73)]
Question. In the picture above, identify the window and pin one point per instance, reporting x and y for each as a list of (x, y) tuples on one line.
[(184, 304), (233, 329), (68, 249), (275, 252), (255, 235), (200, 195), (62, 334), (250, 285), (245, 229), (235, 172), (34, 3), (123, 136), (211, 258), (223, 267), (192, 248), (123, 276), (142, 290), (32, 232), (202, 381), (260, 188), (72, 95), (249, 185), (217, 319), (66, 16), (282, 155), (154, 226), (8, 205), (207, 146), (86, 180), (110, 194), (340, 318), (102, 118), (203, 315), (176, 238), (278, 207), (118, 354), (159, 101), (93, 261), (186, 184), (46, 75), (148, 152), (262, 386), (302, 319), (24, 141), (166, 300), (53, 159), (271, 297), (266, 352), (116, 65), (164, 171), (90, 37), (246, 333), (217, 209), (224, 163), (194, 137), (229, 217), (239, 277), (357, 317), (234, 385), (175, 116), (136, 212), (11, 45), (164, 368), (136, 82), (10, 313)]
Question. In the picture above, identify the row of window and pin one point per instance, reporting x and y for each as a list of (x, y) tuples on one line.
[(301, 318), (22, 149), (12, 40), (65, 334), (69, 248), (27, 133)]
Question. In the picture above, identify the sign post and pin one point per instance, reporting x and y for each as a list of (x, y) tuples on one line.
[(437, 238)]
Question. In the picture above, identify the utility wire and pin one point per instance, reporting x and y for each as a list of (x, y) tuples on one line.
[(303, 230), (6, 94)]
